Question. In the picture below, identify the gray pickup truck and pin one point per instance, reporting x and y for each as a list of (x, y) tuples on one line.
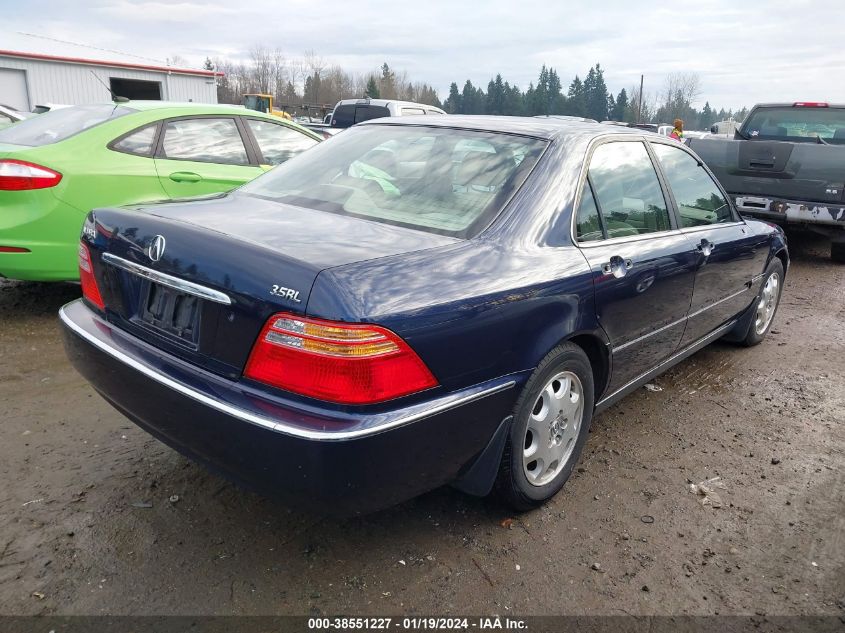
[(786, 164)]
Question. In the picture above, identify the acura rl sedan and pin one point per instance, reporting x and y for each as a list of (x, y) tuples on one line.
[(418, 301)]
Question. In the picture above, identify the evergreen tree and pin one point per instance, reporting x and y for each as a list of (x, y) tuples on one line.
[(611, 105), (556, 100), (595, 92), (372, 89), (208, 64), (620, 110), (576, 102), (453, 103), (707, 117)]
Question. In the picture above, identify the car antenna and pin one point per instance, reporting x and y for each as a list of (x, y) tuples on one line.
[(114, 97)]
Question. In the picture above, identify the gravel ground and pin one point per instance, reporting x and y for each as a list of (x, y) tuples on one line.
[(97, 517)]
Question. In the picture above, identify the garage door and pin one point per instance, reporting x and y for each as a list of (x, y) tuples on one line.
[(13, 89)]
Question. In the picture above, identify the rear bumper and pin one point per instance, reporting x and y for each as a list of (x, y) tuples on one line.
[(785, 211), (332, 461)]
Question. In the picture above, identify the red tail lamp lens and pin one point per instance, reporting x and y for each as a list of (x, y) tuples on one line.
[(90, 290), (18, 175), (335, 361)]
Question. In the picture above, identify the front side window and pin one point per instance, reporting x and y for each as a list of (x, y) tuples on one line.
[(139, 143), (698, 197), (57, 125), (278, 142), (205, 140), (627, 190), (450, 182)]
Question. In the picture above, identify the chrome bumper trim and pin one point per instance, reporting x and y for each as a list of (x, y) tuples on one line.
[(266, 422), (168, 280)]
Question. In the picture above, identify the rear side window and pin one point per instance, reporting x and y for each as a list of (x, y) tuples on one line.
[(588, 224), (367, 112), (278, 142), (57, 125), (139, 143), (445, 181), (205, 140), (344, 116), (627, 190), (698, 197)]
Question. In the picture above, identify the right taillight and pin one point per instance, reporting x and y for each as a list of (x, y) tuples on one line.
[(334, 361), (19, 175), (90, 290)]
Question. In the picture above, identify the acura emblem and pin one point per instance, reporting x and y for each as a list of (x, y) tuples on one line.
[(156, 248)]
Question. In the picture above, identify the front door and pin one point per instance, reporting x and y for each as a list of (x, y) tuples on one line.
[(203, 155), (730, 255), (643, 267)]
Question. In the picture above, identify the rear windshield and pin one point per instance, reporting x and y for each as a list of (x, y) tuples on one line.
[(797, 124), (445, 181), (57, 125)]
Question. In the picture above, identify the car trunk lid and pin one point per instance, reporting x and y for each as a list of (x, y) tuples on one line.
[(200, 279)]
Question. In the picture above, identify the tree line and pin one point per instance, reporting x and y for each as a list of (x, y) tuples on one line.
[(590, 98), (310, 85)]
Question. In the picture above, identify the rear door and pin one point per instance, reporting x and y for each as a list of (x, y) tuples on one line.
[(643, 267), (202, 155), (729, 255)]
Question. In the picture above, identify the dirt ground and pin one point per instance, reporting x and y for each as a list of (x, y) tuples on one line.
[(90, 524)]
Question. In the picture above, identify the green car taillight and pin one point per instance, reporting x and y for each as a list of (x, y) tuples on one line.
[(19, 175)]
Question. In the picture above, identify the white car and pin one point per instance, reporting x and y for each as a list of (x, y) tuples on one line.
[(348, 112)]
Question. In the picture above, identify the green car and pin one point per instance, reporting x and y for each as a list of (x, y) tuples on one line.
[(56, 167)]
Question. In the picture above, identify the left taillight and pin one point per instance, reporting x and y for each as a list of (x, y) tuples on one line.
[(90, 290), (337, 362), (19, 175)]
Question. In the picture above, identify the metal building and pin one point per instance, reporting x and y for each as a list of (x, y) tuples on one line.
[(36, 70)]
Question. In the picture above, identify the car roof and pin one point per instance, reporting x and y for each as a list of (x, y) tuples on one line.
[(385, 102), (791, 104), (144, 106), (527, 126)]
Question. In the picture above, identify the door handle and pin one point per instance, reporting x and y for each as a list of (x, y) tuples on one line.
[(705, 247), (617, 266), (185, 176)]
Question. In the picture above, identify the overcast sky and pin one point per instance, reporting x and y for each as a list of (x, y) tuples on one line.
[(745, 51)]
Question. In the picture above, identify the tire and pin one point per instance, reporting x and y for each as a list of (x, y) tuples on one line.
[(837, 252), (766, 304), (565, 371)]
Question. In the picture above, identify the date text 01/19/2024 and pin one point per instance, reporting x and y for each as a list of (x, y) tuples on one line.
[(416, 624)]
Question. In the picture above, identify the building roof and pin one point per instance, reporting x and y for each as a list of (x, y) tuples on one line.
[(29, 46)]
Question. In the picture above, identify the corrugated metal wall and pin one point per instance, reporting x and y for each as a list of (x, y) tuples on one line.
[(73, 84)]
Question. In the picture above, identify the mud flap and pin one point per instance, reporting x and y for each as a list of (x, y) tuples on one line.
[(479, 478)]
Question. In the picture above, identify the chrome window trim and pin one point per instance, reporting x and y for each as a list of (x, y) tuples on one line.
[(266, 422), (627, 238), (170, 281), (582, 179)]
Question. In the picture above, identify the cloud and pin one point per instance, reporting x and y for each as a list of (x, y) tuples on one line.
[(757, 50)]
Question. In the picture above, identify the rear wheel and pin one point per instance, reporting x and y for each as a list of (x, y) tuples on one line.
[(837, 252), (551, 422), (766, 304)]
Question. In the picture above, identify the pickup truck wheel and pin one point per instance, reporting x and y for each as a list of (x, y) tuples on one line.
[(551, 422), (837, 252), (766, 304)]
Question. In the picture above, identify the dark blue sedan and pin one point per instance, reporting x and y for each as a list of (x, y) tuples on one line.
[(418, 302)]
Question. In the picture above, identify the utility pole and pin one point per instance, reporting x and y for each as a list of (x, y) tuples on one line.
[(640, 102)]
